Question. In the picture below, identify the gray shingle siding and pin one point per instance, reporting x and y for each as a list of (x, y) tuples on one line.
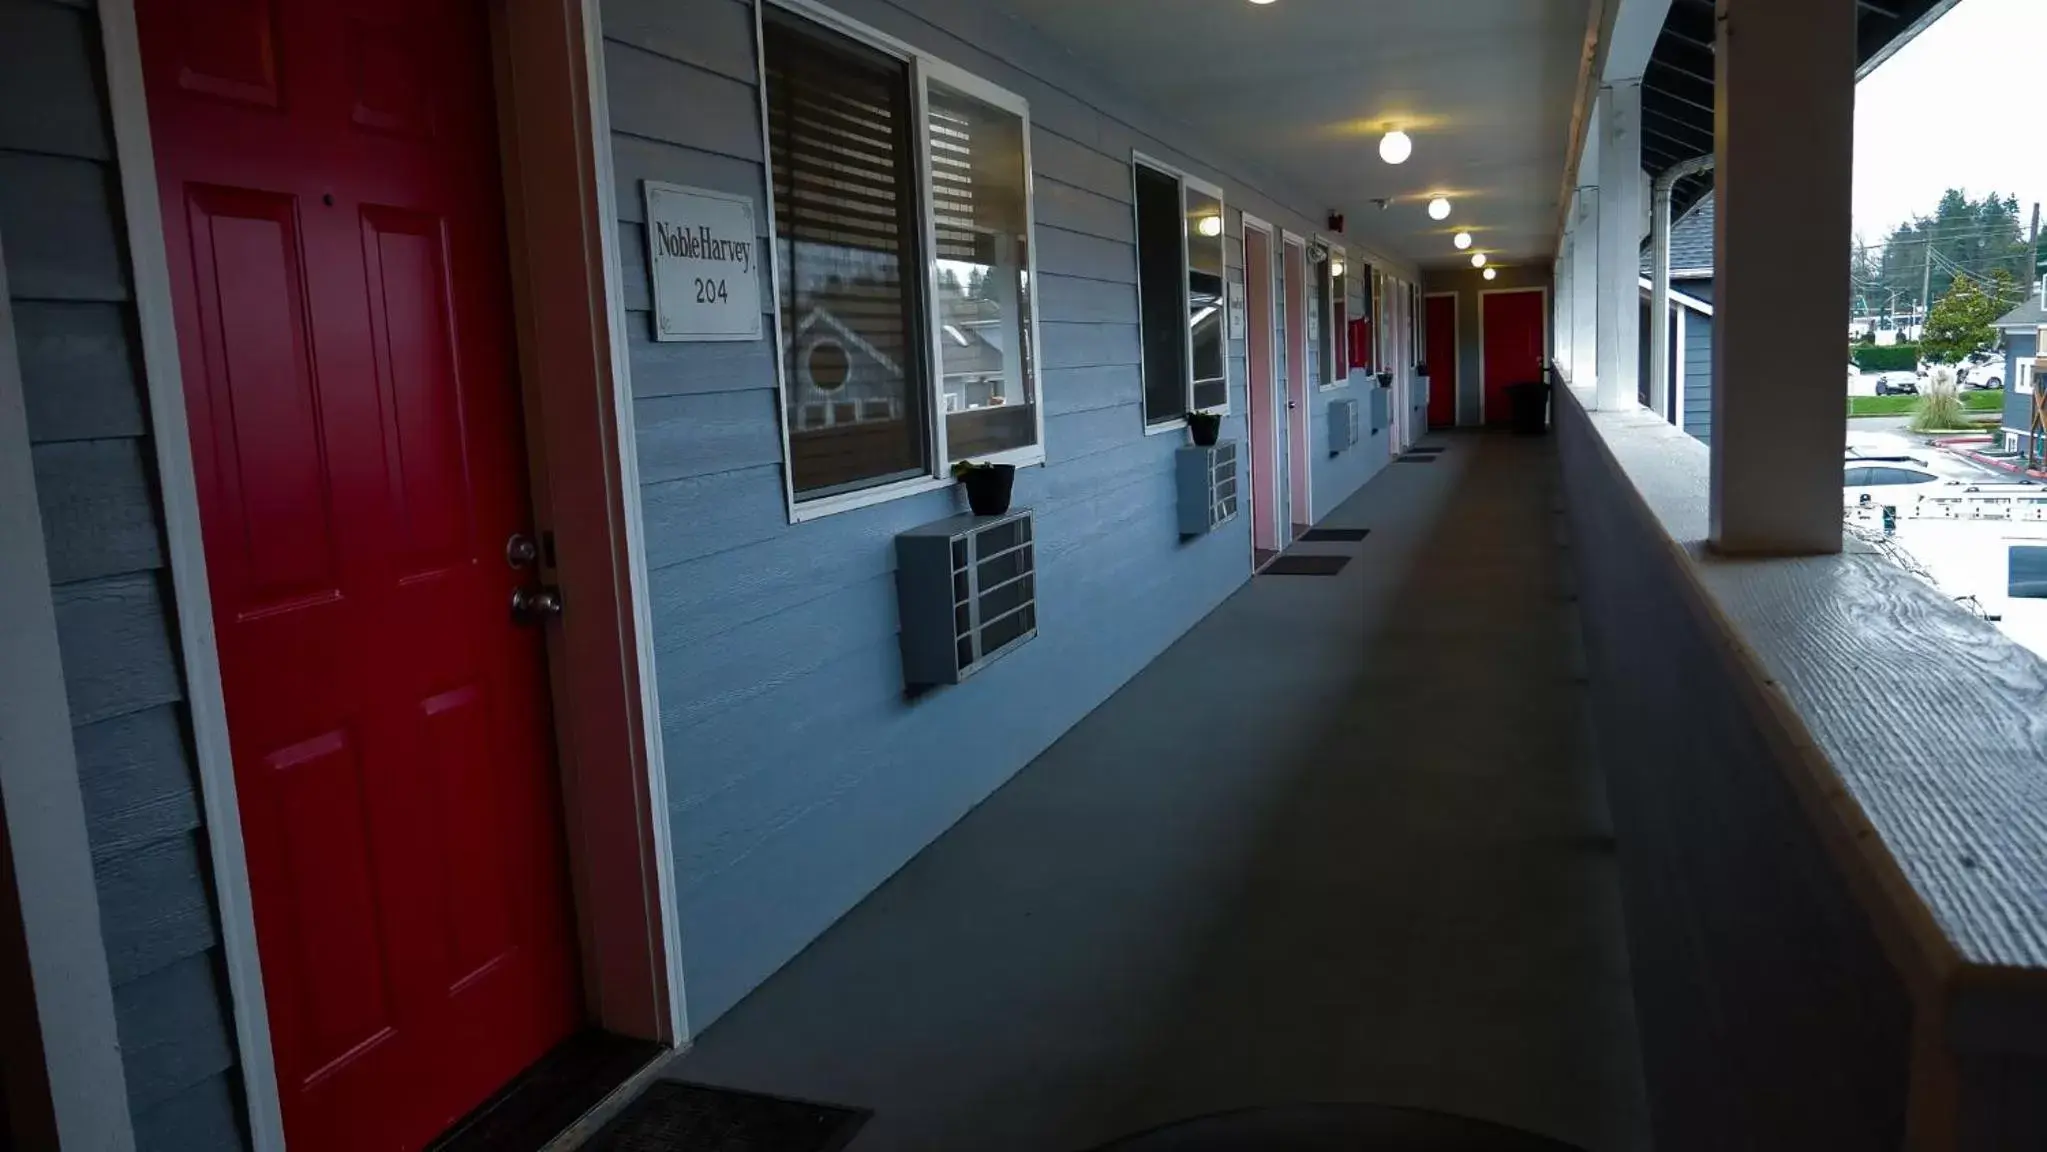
[(799, 776), (1691, 239), (60, 222)]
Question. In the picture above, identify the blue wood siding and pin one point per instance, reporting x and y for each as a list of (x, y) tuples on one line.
[(67, 270), (2018, 406), (1698, 353), (800, 777)]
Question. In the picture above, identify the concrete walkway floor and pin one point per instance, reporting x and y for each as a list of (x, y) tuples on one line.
[(1345, 841)]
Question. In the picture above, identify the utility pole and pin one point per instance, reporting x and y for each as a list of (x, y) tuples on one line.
[(1926, 284)]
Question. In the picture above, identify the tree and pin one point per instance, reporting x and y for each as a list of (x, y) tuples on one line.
[(1963, 323), (1963, 238)]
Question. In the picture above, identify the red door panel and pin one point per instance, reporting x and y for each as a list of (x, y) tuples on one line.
[(330, 186), (1440, 323), (1512, 340)]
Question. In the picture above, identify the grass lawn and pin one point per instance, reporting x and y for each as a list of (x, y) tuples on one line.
[(1904, 405)]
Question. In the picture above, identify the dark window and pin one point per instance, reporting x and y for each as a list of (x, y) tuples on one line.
[(1898, 476), (1856, 477), (1162, 293), (841, 145)]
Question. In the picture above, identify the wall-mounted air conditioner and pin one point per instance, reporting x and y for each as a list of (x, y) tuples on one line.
[(1343, 425), (1207, 478), (966, 589)]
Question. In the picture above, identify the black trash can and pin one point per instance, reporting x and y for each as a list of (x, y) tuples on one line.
[(1529, 401)]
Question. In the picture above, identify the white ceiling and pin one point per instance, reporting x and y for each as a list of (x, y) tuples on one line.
[(1302, 89)]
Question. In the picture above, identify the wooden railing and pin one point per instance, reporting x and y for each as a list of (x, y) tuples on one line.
[(1829, 788)]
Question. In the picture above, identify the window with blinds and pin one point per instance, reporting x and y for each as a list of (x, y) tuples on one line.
[(841, 147), (906, 337)]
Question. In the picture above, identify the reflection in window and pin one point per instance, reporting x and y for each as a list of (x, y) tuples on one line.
[(987, 370), (1205, 298), (840, 148), (1321, 339)]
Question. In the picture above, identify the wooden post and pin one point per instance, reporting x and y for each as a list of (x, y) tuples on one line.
[(1781, 248)]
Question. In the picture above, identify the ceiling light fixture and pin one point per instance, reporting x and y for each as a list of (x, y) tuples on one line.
[(1395, 147), (1491, 273), (1462, 240), (1209, 225), (1478, 259), (1335, 268), (1439, 209), (1261, 1)]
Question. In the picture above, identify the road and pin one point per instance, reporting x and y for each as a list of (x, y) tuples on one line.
[(1892, 436)]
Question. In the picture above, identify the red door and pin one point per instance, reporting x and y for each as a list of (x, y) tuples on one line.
[(329, 180), (1440, 322), (1511, 342)]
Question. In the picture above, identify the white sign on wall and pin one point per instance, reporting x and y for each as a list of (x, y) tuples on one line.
[(706, 258), (1236, 310)]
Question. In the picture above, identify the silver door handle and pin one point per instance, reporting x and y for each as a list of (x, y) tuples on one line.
[(536, 602)]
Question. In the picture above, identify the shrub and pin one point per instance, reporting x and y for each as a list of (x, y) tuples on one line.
[(1885, 358), (1940, 409)]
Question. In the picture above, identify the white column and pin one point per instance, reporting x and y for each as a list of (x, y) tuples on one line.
[(1783, 190), (1560, 302), (1585, 291), (1620, 244), (1659, 298)]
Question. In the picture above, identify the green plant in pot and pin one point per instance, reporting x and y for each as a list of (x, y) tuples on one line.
[(988, 486), (1204, 427)]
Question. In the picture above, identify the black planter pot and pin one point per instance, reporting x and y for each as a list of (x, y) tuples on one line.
[(1205, 432), (988, 488)]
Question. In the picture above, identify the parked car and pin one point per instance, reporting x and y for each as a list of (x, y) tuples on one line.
[(1984, 371), (1866, 482), (1897, 384)]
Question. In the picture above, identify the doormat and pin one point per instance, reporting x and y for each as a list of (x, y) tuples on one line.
[(1291, 565), (545, 1100), (1411, 458), (676, 1117), (1350, 535)]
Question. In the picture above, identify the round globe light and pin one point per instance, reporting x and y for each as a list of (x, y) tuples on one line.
[(1439, 209), (1395, 147), (1209, 225), (1462, 240), (1491, 273), (1478, 259)]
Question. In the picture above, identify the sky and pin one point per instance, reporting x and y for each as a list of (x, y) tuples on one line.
[(1952, 109)]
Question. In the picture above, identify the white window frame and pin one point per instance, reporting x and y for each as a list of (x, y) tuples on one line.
[(1333, 335), (2022, 377), (924, 69), (1186, 180)]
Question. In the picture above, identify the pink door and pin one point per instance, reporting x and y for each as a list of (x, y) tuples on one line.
[(1266, 415), (1297, 383)]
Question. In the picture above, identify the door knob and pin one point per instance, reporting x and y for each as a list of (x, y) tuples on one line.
[(535, 603)]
